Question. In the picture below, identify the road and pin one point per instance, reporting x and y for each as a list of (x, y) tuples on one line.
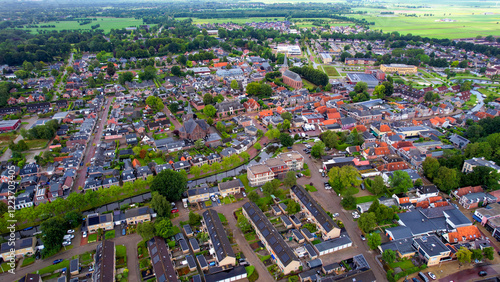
[(90, 148), (480, 101), (471, 274), (331, 202), (58, 87)]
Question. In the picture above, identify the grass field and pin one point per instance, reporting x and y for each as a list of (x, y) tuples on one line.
[(234, 20), (330, 71), (36, 143), (106, 24), (469, 21)]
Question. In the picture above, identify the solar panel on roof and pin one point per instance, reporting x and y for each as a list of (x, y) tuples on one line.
[(156, 259), (285, 257), (261, 225), (162, 278), (265, 232), (154, 250), (272, 240), (278, 248)]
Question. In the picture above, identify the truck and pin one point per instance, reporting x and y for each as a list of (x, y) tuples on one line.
[(185, 202)]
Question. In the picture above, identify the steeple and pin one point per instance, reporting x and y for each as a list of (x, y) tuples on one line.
[(189, 113), (284, 67)]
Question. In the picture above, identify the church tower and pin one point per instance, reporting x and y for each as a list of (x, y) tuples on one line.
[(284, 67)]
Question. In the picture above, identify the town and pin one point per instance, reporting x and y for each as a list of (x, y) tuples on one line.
[(257, 151)]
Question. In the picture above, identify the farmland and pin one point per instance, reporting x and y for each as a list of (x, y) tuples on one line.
[(233, 20), (106, 24)]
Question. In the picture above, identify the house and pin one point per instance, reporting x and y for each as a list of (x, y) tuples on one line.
[(74, 267), (228, 108), (96, 221), (431, 249), (228, 274), (161, 259), (470, 164), (9, 125), (251, 105), (231, 187), (281, 253), (311, 208), (104, 262), (131, 139), (19, 248), (463, 234), (137, 215), (218, 240), (259, 174), (459, 141), (474, 200)]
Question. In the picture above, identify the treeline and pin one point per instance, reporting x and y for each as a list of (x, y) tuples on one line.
[(314, 76)]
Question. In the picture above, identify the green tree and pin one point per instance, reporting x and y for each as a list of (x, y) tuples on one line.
[(170, 184), (110, 69), (220, 127), (361, 87), (477, 254), (344, 177), (292, 207), (194, 218), (53, 230), (348, 201), (379, 91), (318, 149), (429, 96), (195, 170), (400, 181), (164, 228), (378, 185), (464, 255), (286, 140), (253, 196), (27, 66), (160, 204), (489, 253), (243, 223), (389, 256), (374, 241), (257, 146), (273, 133), (235, 85), (447, 179), (209, 110), (208, 99), (290, 179), (199, 144), (367, 222), (269, 189), (330, 139), (176, 70), (286, 115), (155, 103), (149, 73), (430, 166)]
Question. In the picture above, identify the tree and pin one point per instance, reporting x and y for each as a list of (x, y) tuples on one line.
[(110, 69), (245, 156), (269, 189), (400, 181), (220, 127), (447, 179), (361, 87), (243, 223), (149, 73), (3, 208), (194, 218), (464, 255), (389, 256), (318, 149), (429, 96), (330, 139), (53, 230), (27, 66), (378, 185), (164, 228), (234, 84), (199, 144), (286, 140), (292, 207), (160, 204), (389, 87), (155, 103), (195, 170), (430, 166), (477, 255), (170, 184), (374, 241), (273, 133), (474, 131), (290, 179), (257, 146), (344, 177), (489, 253), (208, 99), (286, 125), (286, 115), (209, 110), (367, 221), (348, 201), (253, 196), (379, 91), (176, 70)]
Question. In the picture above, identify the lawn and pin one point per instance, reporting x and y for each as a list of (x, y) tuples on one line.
[(109, 234), (54, 267), (310, 188), (159, 160), (308, 84), (331, 71), (92, 238), (4, 267), (160, 136), (472, 102), (28, 261), (86, 258), (36, 143), (121, 251), (106, 24), (405, 264), (6, 138), (222, 218), (365, 199), (489, 93)]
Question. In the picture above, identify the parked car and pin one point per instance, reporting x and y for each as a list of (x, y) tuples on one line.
[(66, 243), (431, 275), (414, 279), (57, 261), (71, 231), (363, 237), (174, 210), (336, 214), (84, 234), (482, 273), (124, 232)]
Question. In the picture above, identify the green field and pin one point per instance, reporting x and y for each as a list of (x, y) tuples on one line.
[(330, 71), (469, 21), (233, 20), (106, 24)]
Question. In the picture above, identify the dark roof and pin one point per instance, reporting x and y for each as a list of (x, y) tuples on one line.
[(187, 229), (104, 262), (431, 245), (73, 265), (191, 261), (227, 274), (18, 244), (292, 75), (136, 212), (194, 243), (236, 183), (274, 239), (202, 261), (191, 124), (317, 211), (218, 235), (160, 258), (333, 243)]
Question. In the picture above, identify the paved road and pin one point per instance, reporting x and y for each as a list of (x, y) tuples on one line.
[(471, 274), (331, 202), (90, 148), (480, 101), (57, 87)]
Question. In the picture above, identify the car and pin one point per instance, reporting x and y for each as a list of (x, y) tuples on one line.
[(71, 231), (174, 210), (336, 214), (482, 273), (91, 268), (431, 275), (66, 243), (57, 261), (172, 204), (124, 232), (244, 194), (363, 237), (414, 279), (84, 235)]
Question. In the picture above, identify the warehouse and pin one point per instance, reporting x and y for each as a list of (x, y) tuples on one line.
[(9, 125), (370, 79)]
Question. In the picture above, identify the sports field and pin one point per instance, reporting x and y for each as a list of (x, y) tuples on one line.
[(446, 21), (106, 24)]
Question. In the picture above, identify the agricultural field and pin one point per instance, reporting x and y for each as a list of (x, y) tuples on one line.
[(466, 21), (233, 20), (106, 24)]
